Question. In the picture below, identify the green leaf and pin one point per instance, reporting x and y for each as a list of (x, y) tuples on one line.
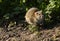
[(0, 1)]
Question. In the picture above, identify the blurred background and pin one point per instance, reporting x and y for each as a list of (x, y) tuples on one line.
[(15, 10)]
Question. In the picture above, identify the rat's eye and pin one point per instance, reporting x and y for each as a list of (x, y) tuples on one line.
[(36, 13), (39, 14)]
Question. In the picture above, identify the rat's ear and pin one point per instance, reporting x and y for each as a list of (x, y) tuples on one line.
[(36, 13)]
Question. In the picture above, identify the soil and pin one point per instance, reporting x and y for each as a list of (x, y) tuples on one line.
[(19, 33)]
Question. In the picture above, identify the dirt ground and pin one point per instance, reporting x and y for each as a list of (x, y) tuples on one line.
[(19, 33)]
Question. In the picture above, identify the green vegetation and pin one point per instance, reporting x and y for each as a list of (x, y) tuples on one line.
[(33, 28), (14, 10)]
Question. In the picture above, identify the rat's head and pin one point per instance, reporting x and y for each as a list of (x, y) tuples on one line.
[(39, 14)]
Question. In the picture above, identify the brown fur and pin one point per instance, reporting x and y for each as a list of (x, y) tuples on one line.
[(33, 18)]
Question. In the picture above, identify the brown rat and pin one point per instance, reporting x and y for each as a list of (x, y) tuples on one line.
[(34, 16)]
